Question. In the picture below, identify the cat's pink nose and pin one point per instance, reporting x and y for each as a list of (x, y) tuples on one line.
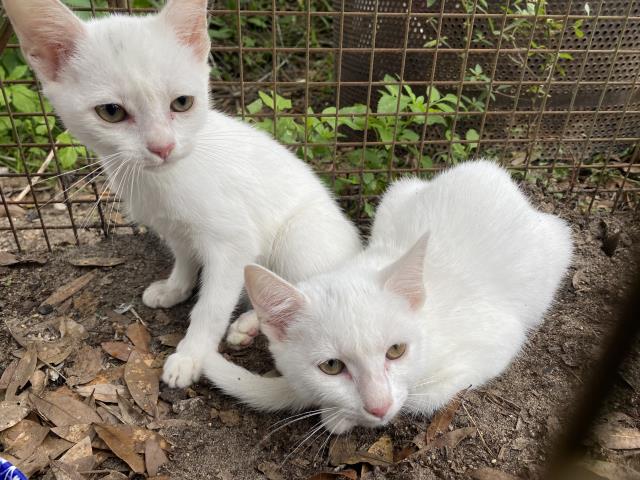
[(163, 151), (379, 411)]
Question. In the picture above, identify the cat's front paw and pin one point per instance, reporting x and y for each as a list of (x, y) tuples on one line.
[(162, 294), (181, 370), (244, 329)]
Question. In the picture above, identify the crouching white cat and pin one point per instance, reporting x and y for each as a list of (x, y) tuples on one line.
[(456, 273), (222, 195)]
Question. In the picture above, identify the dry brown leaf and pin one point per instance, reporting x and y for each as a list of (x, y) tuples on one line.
[(22, 439), (69, 328), (38, 382), (54, 446), (139, 336), (8, 259), (452, 439), (119, 350), (115, 476), (487, 473), (610, 471), (143, 382), (122, 444), (7, 375), (68, 290), (96, 261), (130, 413), (442, 419), (80, 455), (349, 474), (34, 463), (57, 351), (104, 392), (11, 413), (62, 410), (383, 448), (617, 437), (62, 471), (24, 370), (342, 452), (404, 452), (154, 457), (171, 339), (109, 375), (87, 363), (85, 303), (74, 433)]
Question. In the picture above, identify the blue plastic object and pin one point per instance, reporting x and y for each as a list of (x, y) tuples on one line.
[(9, 471)]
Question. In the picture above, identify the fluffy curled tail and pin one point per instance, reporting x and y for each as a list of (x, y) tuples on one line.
[(259, 392)]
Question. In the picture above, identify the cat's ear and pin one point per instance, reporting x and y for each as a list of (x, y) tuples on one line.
[(405, 277), (188, 18), (48, 33), (275, 300)]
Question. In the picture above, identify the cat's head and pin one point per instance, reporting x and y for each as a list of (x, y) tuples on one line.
[(349, 341), (133, 89)]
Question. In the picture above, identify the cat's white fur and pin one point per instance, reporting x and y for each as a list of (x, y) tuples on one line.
[(226, 196), (459, 269)]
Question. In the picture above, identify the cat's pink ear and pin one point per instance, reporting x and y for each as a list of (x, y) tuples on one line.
[(405, 277), (188, 18), (275, 300), (48, 32)]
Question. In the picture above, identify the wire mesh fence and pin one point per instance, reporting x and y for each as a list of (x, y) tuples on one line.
[(366, 91)]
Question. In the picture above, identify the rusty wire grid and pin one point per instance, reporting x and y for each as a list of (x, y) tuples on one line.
[(550, 89)]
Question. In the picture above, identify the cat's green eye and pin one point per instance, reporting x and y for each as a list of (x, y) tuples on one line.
[(111, 112), (182, 103), (396, 351), (332, 367)]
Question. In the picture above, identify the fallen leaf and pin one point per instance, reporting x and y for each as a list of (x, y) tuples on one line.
[(96, 261), (129, 412), (349, 474), (340, 449), (119, 350), (34, 463), (109, 375), (74, 433), (80, 456), (617, 437), (68, 290), (108, 415), (11, 413), (115, 476), (85, 303), (452, 439), (610, 471), (154, 457), (171, 339), (62, 471), (8, 259), (404, 452), (38, 382), (231, 418), (104, 392), (7, 374), (487, 473), (53, 447), (57, 351), (383, 448), (143, 382), (22, 439), (24, 370), (122, 444), (69, 328), (62, 410), (86, 365), (442, 419), (139, 336)]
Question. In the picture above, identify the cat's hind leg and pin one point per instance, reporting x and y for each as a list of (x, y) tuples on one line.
[(244, 329)]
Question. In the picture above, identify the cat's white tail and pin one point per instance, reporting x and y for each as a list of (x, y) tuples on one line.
[(262, 393)]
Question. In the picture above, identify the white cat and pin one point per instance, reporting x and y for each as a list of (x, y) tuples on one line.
[(222, 195), (457, 271)]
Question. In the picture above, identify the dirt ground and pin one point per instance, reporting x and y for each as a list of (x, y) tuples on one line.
[(516, 417)]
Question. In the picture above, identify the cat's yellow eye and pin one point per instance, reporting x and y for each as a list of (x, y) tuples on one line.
[(396, 351), (111, 112), (182, 103), (332, 367)]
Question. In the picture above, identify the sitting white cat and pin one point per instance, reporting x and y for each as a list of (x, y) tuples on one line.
[(457, 271), (221, 194)]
